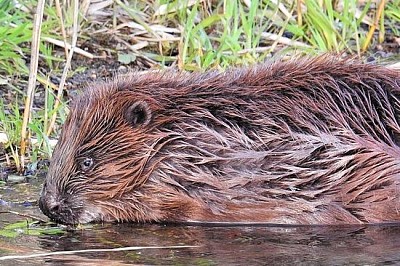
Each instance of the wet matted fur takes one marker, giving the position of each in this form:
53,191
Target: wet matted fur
307,141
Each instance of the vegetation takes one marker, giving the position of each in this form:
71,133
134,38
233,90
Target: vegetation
188,34
27,227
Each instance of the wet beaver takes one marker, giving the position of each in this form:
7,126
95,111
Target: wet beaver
308,141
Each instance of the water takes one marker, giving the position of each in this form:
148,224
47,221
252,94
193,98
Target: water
235,245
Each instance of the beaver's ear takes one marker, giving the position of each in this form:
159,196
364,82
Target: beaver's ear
138,114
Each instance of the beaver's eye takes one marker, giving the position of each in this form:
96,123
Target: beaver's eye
86,164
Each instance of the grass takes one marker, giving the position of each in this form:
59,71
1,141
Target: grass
321,30
191,35
11,124
15,31
393,16
27,227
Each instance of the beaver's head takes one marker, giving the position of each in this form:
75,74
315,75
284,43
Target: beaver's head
102,158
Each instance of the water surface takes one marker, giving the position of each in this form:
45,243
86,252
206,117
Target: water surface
227,245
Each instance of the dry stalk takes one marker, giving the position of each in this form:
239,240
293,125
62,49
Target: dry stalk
67,46
66,67
299,13
64,35
37,25
374,25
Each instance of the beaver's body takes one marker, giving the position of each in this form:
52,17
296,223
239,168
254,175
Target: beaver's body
309,141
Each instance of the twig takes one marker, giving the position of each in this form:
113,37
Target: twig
73,252
68,46
25,215
280,39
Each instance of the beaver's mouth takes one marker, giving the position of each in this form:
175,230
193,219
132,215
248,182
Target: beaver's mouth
71,212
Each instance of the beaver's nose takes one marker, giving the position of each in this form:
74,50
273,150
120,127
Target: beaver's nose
49,205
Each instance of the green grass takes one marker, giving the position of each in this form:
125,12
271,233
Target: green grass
234,31
392,15
201,36
11,122
15,31
15,35
330,30
28,227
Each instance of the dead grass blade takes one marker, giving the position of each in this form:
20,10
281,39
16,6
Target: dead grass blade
37,25
62,26
66,67
374,25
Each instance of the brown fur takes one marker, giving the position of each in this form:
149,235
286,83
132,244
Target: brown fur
309,141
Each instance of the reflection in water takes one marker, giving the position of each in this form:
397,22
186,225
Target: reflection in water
233,245
241,245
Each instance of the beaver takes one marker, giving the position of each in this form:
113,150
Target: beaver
312,140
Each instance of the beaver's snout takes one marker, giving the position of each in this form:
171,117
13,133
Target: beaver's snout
58,208
50,206
67,208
